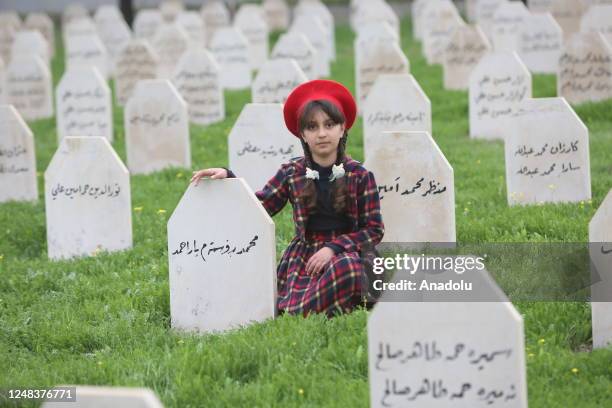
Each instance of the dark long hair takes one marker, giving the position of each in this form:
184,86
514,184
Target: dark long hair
338,188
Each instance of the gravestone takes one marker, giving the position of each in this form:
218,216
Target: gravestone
547,154
540,42
297,47
417,8
11,19
136,61
447,354
170,9
275,81
374,32
30,42
466,47
441,20
87,51
197,79
84,108
498,84
193,24
375,59
484,11
222,269
73,11
585,69
568,14
113,31
313,29
82,26
44,25
259,143
598,18
254,27
600,236
17,158
156,123
370,11
277,14
7,35
91,396
87,199
28,87
413,177
231,50
170,42
396,103
216,16
2,82
146,23
540,6
320,10
507,20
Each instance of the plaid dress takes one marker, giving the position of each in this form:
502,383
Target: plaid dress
338,287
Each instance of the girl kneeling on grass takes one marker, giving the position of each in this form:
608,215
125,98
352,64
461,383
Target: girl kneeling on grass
336,208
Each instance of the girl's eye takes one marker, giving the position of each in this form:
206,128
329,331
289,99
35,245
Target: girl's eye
311,127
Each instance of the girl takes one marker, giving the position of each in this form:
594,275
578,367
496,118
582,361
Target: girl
336,208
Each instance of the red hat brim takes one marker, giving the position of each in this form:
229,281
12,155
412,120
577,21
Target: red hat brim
318,89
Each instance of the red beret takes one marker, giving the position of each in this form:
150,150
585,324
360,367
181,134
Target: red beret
318,89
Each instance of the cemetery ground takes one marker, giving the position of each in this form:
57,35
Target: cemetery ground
106,319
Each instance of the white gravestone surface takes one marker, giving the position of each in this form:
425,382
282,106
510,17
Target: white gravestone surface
7,35
373,32
441,23
447,354
43,24
136,61
72,12
231,50
547,154
598,18
259,143
83,102
17,158
170,9
197,79
28,87
10,18
540,42
91,396
585,69
156,123
146,23
77,27
396,103
498,84
2,81
312,27
506,23
416,12
222,267
87,199
484,11
539,6
193,24
113,31
320,10
87,51
568,14
370,11
297,47
375,59
464,50
277,14
30,42
275,81
255,29
416,187
215,15
600,236
170,42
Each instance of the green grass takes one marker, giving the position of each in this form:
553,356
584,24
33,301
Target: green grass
105,319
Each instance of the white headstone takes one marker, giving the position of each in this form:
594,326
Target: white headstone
156,123
441,19
90,396
7,36
17,158
146,23
277,14
378,58
10,18
170,9
585,69
30,42
413,177
464,50
193,24
540,42
72,12
416,12
540,6
600,236
221,277
275,81
83,101
215,15
320,10
43,24
78,27
498,84
370,11
396,102
507,20
28,87
598,18
297,47
197,79
547,154
484,11
231,50
2,82
255,29
87,199
312,27
87,51
113,31
259,143
568,14
170,42
447,354
373,32
135,62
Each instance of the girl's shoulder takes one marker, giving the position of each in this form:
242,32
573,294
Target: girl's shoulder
355,167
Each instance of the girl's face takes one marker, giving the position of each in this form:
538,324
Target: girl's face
322,135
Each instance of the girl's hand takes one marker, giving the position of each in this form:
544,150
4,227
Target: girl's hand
213,173
319,260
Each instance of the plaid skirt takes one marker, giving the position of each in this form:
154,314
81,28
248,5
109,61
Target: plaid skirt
337,288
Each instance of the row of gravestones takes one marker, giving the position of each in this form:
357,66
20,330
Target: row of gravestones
583,62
